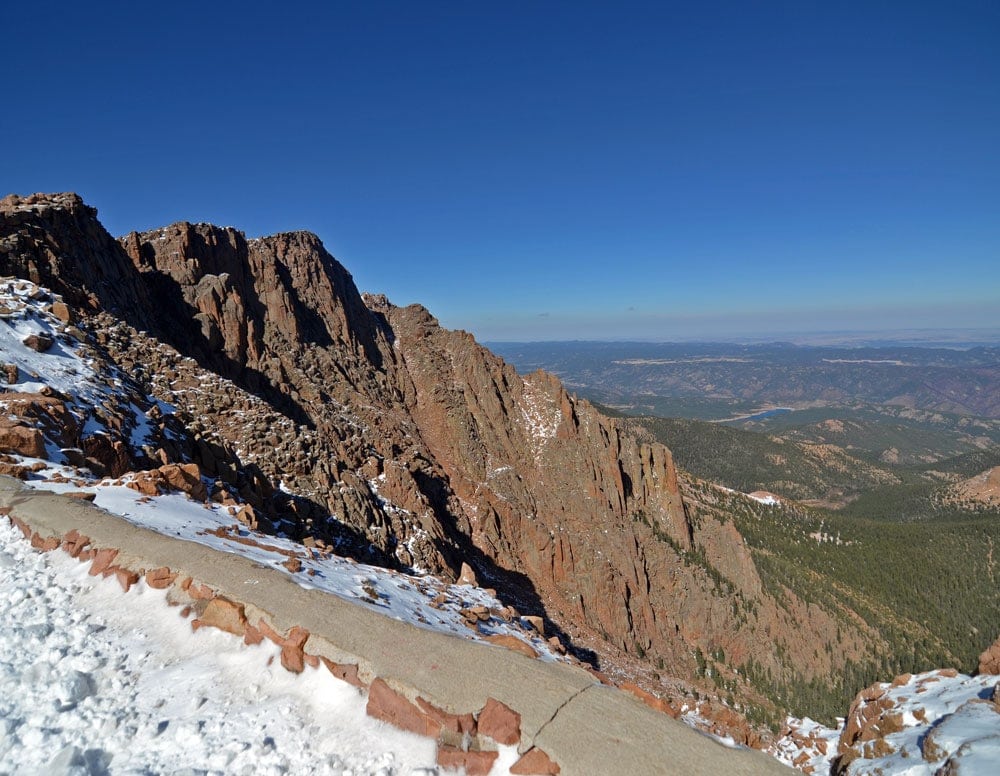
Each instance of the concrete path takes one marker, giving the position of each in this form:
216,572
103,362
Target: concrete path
585,727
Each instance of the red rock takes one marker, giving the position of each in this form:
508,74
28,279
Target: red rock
61,311
21,440
345,672
293,564
989,661
459,724
223,614
185,477
659,704
500,722
126,577
38,342
292,652
161,578
475,763
45,544
252,635
102,560
534,762
467,576
386,704
512,642
74,542
200,592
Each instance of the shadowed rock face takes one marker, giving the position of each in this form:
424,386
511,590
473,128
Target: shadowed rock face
431,450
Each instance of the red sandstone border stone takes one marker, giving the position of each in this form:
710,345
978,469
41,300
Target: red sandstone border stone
102,560
386,704
496,720
458,724
476,763
535,762
500,722
223,614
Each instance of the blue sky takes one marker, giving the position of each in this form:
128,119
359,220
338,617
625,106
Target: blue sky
534,170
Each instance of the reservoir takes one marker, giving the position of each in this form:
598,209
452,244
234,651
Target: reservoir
759,415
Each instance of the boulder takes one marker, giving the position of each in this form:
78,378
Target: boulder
39,342
989,661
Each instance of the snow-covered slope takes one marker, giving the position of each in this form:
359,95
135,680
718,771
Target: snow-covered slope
93,682
938,723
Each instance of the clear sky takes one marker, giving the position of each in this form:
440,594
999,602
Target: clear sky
539,170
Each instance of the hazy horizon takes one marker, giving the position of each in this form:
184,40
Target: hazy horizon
962,339
654,170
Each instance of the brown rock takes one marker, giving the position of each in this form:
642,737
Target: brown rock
10,373
534,762
386,704
512,642
61,311
989,661
467,576
39,342
500,722
475,763
21,440
106,457
223,614
81,495
185,477
659,704
536,622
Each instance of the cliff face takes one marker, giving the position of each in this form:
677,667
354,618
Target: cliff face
415,443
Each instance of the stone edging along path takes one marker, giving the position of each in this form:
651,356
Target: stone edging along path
468,696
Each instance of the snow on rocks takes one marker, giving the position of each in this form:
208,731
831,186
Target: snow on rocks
89,684
44,362
460,610
540,414
939,722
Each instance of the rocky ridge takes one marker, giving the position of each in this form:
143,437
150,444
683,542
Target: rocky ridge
938,722
349,423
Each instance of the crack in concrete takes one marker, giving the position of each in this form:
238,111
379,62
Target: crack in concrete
562,706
